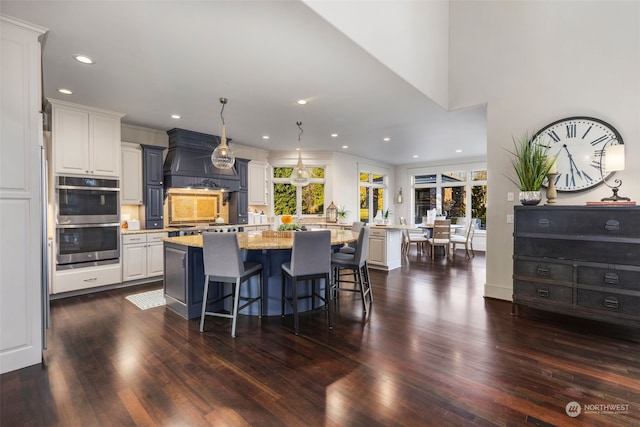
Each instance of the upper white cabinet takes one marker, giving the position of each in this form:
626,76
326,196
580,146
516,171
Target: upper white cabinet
86,140
131,182
258,183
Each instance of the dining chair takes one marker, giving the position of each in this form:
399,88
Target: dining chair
310,261
409,237
355,228
465,239
440,236
223,264
356,266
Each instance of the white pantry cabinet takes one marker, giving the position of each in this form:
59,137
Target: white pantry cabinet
22,209
258,183
142,255
86,140
131,181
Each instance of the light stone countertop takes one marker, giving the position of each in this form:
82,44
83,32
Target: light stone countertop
253,240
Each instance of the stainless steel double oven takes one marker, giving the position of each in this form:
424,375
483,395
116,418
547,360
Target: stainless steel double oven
87,222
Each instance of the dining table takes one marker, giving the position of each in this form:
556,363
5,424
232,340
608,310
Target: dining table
184,270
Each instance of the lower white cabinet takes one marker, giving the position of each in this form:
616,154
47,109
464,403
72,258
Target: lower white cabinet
142,255
85,278
384,248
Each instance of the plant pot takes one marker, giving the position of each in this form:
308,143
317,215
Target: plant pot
530,198
343,220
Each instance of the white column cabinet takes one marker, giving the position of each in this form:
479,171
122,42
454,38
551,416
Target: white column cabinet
142,255
86,140
22,207
131,180
258,183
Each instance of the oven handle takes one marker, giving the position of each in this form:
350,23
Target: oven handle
114,224
79,187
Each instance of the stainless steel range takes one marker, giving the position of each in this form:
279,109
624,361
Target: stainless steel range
191,230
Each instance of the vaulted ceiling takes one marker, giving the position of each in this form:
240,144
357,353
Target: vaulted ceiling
158,58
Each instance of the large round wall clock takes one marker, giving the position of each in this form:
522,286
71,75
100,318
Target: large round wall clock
578,143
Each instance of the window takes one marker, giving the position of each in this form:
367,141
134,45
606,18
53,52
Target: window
456,194
291,200
372,190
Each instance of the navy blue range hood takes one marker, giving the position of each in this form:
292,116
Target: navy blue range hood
188,163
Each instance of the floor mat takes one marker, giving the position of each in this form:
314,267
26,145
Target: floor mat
148,299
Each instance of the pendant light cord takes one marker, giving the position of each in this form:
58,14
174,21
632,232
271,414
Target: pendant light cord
223,101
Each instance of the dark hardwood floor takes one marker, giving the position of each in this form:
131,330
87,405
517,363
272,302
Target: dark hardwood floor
433,352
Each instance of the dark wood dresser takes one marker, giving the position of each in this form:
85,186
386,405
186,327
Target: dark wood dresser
578,260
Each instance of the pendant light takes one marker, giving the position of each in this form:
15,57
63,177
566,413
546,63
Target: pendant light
222,157
300,175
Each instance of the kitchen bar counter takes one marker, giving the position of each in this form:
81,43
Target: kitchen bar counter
184,271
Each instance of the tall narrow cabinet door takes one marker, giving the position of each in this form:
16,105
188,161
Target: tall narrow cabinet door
70,136
154,207
22,207
104,142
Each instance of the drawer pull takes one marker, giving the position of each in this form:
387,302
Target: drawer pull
611,302
543,271
612,225
544,293
93,279
611,279
544,223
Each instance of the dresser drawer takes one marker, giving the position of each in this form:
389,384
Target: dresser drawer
377,232
543,292
544,270
609,302
609,278
592,221
579,250
128,239
156,237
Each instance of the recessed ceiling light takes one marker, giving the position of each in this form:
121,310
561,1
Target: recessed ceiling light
84,59
415,156
458,151
265,136
387,139
176,116
65,91
302,101
345,146
334,135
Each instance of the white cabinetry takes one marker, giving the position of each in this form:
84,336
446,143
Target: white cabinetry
131,181
142,255
85,278
258,183
86,141
384,248
21,204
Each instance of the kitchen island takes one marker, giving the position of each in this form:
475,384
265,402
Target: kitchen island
184,271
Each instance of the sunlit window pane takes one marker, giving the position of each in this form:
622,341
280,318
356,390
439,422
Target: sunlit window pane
313,199
453,202
282,172
480,175
284,199
364,177
454,176
364,204
377,179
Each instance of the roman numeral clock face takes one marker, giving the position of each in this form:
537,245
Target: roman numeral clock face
578,143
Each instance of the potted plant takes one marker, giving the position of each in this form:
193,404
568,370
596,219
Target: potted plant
343,214
531,165
385,215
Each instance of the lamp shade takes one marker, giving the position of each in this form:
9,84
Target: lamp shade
300,175
614,158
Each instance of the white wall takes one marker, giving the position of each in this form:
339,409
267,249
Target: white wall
536,62
409,37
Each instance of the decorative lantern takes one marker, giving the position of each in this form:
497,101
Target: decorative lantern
332,213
